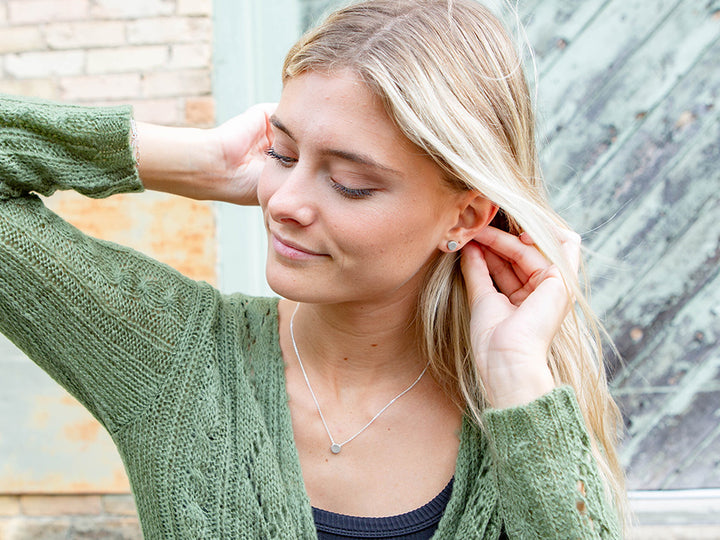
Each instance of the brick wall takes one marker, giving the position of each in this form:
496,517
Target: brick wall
155,55
68,517
152,54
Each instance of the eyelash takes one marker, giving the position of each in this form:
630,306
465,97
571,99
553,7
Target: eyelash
285,161
349,193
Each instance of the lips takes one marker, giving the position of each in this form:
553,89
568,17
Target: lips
291,250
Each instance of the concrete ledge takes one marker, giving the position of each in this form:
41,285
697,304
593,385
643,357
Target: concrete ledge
676,507
675,515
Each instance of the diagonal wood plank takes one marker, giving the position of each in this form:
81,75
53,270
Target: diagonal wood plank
617,109
590,61
552,26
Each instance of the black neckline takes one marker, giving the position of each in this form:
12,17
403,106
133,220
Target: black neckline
369,527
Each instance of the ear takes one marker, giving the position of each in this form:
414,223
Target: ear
475,213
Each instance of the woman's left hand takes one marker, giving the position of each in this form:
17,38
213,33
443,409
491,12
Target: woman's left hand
518,301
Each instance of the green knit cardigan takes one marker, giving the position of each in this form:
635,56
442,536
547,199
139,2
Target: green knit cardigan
190,383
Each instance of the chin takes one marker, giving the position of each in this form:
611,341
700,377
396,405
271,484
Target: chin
307,289
286,285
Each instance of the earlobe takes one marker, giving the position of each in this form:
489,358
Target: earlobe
475,213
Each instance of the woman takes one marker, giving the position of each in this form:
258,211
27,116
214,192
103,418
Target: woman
424,372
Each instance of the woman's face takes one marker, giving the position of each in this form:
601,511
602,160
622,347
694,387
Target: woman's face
353,210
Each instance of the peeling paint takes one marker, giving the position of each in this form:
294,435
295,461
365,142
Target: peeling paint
57,446
86,431
174,230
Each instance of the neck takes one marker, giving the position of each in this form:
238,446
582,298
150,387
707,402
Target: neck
351,346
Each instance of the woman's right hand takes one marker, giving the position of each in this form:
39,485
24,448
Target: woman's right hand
220,164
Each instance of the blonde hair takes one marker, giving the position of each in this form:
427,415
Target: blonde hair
451,79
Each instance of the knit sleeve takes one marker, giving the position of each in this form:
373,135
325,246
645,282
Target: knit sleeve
548,480
104,321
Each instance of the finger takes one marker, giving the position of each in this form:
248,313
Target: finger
526,259
550,300
570,243
267,108
501,272
525,238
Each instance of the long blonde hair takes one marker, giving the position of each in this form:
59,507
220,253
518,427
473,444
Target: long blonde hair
451,79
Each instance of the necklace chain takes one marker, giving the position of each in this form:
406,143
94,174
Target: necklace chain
335,447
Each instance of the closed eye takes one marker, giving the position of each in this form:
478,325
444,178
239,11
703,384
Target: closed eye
351,193
285,161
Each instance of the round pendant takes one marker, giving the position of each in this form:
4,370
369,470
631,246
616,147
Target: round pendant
335,448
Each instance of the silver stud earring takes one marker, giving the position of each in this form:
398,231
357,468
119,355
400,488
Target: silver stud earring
452,245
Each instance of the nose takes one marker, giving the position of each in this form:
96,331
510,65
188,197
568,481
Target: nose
293,199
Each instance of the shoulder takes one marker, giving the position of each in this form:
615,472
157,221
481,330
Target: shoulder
256,310
252,319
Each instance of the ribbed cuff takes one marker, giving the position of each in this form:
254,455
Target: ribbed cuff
551,423
53,146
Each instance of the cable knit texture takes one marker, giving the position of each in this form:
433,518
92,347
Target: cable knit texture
190,383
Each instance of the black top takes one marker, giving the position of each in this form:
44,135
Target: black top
418,524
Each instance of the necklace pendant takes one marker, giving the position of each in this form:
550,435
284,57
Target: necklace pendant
335,448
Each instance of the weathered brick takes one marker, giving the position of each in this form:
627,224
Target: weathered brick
41,11
88,88
190,56
9,505
43,64
105,529
200,111
131,9
177,83
41,88
126,59
159,111
85,34
20,39
170,30
194,7
119,505
165,111
21,528
58,505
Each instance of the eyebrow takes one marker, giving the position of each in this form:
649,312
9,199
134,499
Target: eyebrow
361,159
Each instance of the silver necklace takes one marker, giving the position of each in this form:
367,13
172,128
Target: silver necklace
335,447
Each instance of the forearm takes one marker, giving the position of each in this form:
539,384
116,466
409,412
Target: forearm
549,480
182,161
221,164
91,314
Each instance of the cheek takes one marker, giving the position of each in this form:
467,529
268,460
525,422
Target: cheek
394,240
265,188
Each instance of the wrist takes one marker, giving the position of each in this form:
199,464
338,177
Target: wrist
181,161
515,384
